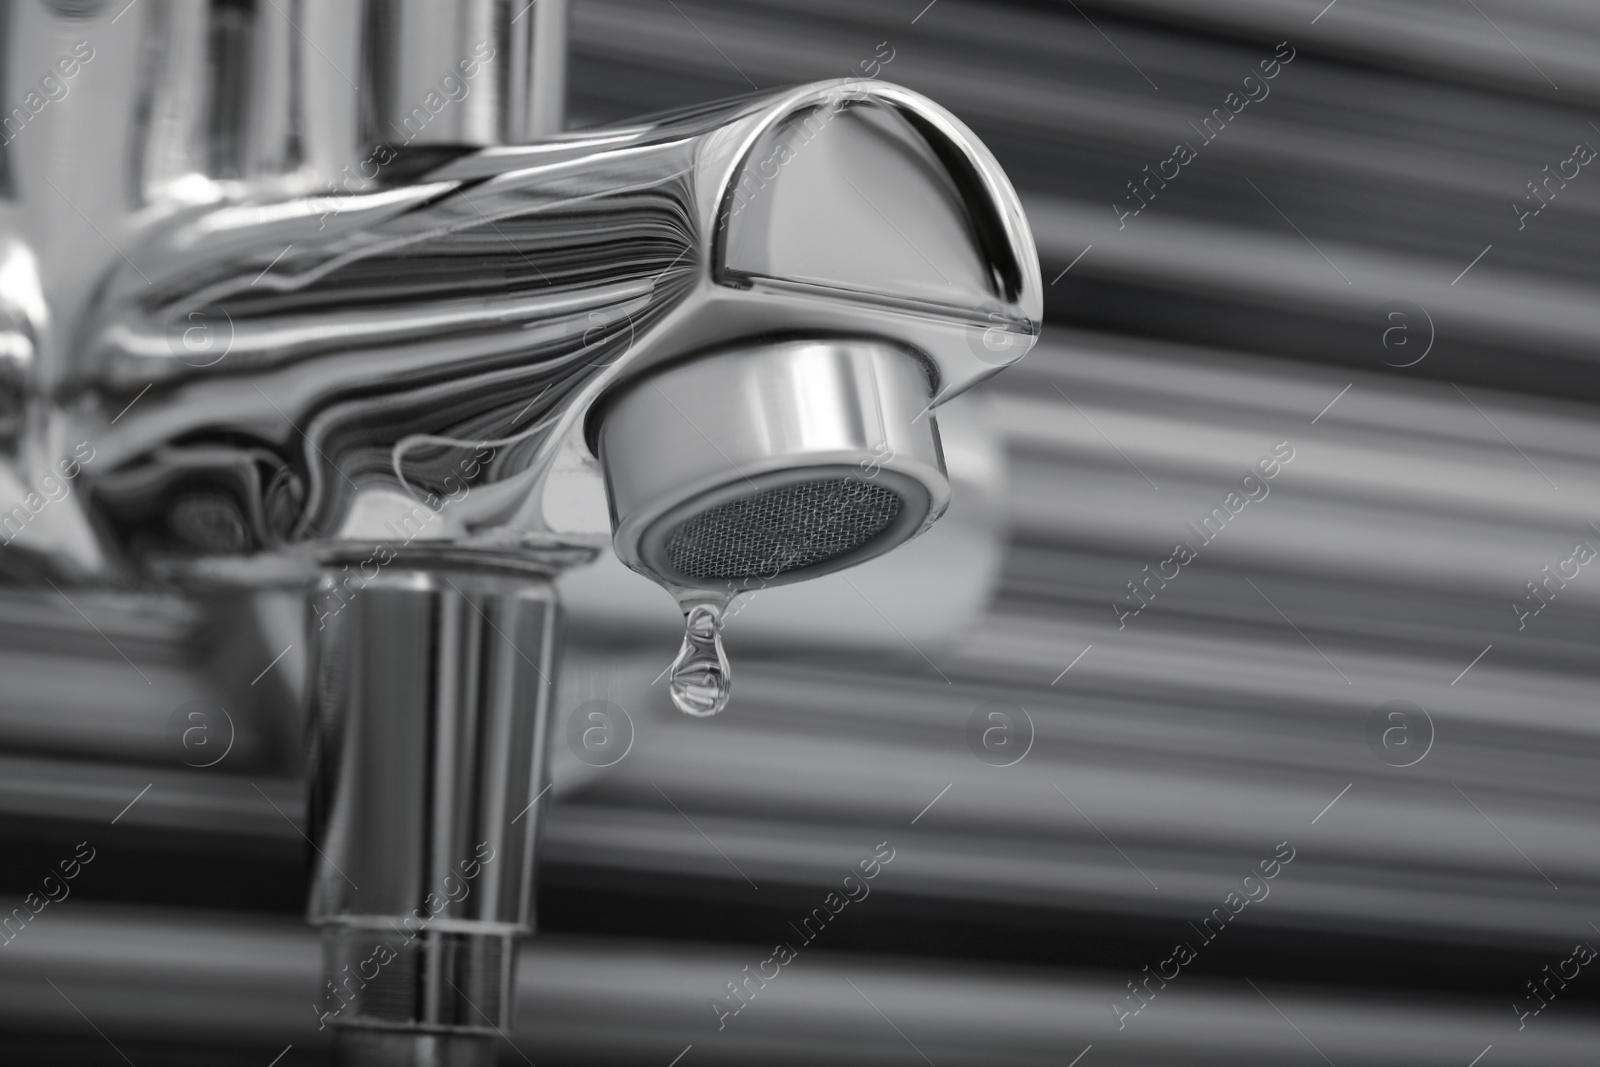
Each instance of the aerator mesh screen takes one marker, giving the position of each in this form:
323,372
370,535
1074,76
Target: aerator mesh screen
774,531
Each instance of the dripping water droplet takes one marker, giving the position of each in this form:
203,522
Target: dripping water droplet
699,679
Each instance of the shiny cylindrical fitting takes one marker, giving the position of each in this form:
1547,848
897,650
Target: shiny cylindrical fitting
462,74
772,463
427,760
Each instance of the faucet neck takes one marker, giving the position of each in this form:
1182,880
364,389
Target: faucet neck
427,765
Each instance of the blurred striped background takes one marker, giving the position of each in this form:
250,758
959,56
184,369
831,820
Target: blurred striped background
1245,306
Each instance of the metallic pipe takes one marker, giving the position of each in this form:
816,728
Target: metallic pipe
286,300
461,75
427,760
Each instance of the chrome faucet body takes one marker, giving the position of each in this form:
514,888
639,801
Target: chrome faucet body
440,344
321,316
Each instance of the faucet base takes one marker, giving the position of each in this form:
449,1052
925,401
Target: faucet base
400,974
431,698
362,1047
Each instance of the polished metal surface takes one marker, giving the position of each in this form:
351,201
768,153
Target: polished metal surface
1247,304
458,76
485,385
731,430
262,372
296,303
430,697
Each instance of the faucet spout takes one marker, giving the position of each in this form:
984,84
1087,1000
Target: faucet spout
392,358
280,377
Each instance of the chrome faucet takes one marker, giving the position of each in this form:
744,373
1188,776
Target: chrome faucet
318,297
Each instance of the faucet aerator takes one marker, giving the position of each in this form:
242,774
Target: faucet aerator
771,463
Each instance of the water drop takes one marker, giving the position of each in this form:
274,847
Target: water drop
699,679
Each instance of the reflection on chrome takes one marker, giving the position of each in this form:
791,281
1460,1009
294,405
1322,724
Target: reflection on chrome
382,403
341,313
261,376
